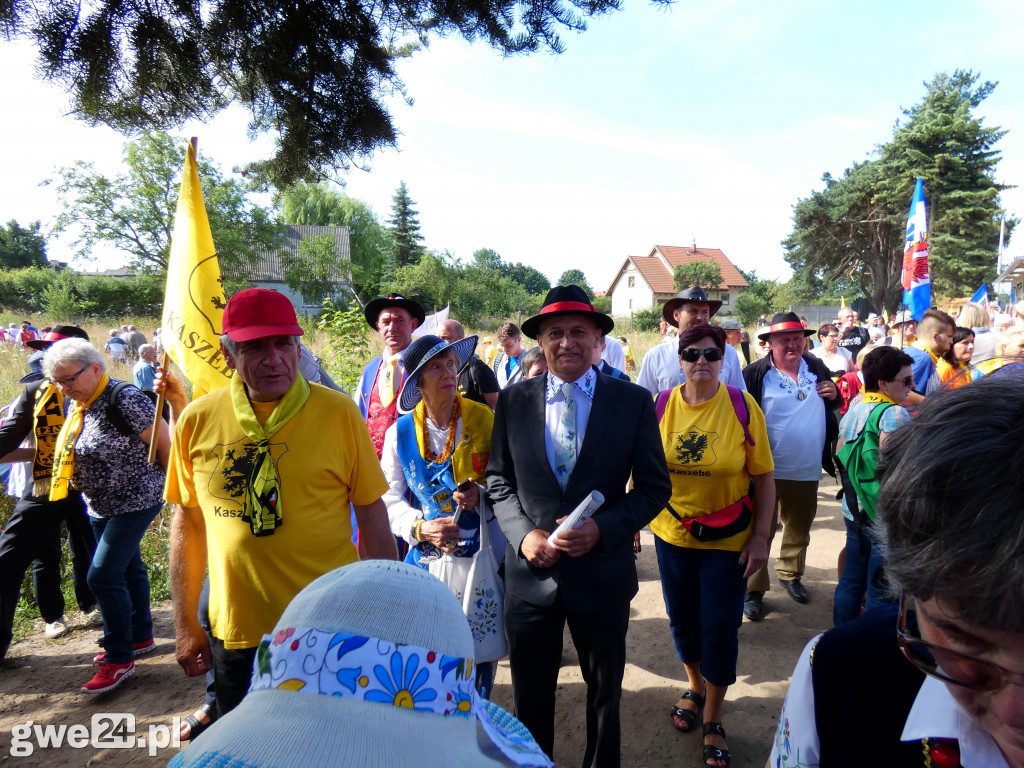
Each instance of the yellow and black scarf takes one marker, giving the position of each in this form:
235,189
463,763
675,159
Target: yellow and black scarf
262,493
47,421
64,463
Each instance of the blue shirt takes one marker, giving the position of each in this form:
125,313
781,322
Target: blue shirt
923,368
144,375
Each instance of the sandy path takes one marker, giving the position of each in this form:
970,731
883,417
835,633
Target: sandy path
41,678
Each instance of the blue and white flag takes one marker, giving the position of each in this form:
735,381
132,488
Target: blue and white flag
981,296
917,279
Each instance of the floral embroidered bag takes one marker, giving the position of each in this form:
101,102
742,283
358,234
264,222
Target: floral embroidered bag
484,599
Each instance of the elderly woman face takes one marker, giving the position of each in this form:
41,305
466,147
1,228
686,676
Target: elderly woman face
959,647
440,377
708,362
77,381
963,350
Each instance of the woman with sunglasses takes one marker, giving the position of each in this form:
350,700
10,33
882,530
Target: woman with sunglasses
939,679
712,535
888,379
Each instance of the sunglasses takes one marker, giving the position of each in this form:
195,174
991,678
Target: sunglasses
945,663
692,355
907,381
71,379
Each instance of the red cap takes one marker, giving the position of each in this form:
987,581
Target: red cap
256,313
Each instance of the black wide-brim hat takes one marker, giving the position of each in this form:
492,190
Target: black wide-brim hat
690,294
416,357
566,300
57,333
375,307
785,321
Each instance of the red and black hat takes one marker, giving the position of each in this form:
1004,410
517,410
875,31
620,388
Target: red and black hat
375,307
694,293
57,333
566,300
785,321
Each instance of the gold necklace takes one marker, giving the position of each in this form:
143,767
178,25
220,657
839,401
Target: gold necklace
449,443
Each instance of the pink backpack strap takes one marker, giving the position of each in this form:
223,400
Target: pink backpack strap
739,404
661,401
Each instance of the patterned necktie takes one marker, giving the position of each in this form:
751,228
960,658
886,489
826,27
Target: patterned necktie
565,437
386,385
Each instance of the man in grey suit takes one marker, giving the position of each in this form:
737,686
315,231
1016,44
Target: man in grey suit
557,438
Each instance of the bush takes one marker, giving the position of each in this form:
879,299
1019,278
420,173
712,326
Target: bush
647,319
603,304
74,296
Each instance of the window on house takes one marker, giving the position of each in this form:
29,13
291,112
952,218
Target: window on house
631,302
631,282
725,298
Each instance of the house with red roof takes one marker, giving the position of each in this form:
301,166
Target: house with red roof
647,281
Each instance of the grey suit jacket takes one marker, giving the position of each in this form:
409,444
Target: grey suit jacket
622,438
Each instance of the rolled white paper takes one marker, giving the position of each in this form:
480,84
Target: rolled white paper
579,516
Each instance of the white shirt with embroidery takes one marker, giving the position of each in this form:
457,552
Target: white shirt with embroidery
795,416
555,406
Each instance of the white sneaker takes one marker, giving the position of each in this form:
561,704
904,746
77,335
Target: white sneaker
94,618
56,628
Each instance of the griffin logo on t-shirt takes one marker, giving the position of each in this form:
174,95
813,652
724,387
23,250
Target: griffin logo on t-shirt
234,464
695,446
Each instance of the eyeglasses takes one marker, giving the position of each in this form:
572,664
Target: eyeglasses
692,355
907,381
945,663
71,379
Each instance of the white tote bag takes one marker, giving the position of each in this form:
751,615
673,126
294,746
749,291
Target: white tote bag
484,598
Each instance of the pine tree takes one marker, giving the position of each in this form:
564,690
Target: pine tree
406,240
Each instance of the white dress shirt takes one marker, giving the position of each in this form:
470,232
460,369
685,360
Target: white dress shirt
660,369
555,406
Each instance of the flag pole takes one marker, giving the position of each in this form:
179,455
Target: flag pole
164,360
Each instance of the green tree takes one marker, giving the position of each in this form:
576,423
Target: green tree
488,258
761,299
406,240
318,204
576,277
22,246
319,75
533,280
852,231
704,274
134,211
944,141
316,272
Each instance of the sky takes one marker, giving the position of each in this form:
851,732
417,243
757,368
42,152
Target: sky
704,122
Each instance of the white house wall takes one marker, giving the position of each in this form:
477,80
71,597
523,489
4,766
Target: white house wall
627,299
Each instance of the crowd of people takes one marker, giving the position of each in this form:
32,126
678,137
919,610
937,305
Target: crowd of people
450,455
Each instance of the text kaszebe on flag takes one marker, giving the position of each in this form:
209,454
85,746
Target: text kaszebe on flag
194,300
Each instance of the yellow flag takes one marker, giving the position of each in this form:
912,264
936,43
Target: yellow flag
194,300
842,302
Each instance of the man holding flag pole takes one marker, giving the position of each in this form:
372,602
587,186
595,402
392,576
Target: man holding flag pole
262,470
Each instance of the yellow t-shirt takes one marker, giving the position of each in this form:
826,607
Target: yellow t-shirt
324,460
710,463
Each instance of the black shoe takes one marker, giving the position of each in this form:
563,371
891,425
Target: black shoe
753,606
796,590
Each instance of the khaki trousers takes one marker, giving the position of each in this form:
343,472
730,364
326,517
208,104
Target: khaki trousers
796,502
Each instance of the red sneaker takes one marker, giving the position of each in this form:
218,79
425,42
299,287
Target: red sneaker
138,649
109,677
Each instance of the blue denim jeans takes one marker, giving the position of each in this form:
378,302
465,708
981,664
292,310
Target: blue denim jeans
862,572
118,579
704,591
